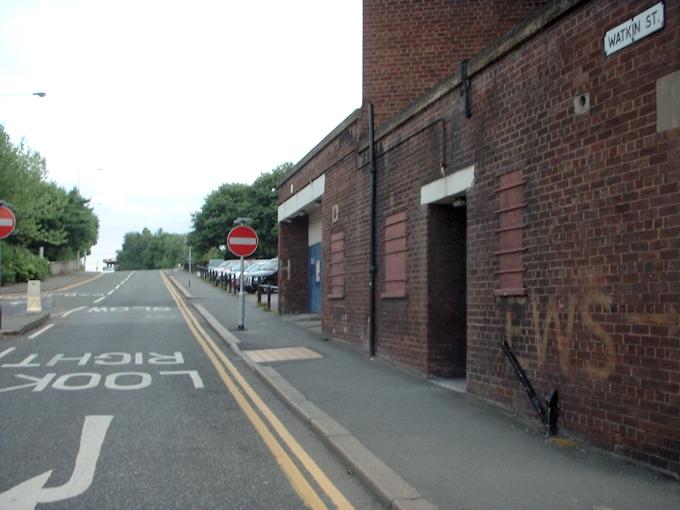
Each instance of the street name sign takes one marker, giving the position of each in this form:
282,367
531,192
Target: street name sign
242,241
634,29
7,221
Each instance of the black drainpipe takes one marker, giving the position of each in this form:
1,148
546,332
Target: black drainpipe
371,207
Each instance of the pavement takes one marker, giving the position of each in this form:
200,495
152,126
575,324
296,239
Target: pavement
419,443
16,321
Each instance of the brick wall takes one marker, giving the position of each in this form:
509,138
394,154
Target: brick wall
600,320
293,254
411,45
339,150
401,163
347,185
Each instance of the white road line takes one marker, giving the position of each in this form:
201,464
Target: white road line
110,292
6,352
40,331
99,300
66,314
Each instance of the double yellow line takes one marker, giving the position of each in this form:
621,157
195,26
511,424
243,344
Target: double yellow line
240,389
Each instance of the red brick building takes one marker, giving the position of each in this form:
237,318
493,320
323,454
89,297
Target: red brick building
516,177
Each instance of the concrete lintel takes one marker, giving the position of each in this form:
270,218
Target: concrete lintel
303,198
448,187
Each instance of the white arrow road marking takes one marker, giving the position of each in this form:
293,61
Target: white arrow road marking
32,492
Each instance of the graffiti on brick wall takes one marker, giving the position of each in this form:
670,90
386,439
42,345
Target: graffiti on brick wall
553,324
670,320
550,328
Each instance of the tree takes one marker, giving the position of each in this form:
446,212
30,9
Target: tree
151,251
80,223
264,210
230,201
47,216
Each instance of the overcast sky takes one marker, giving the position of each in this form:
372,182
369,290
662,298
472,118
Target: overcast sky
152,104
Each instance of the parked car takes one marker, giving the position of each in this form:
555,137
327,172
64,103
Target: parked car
213,264
267,272
255,266
224,269
235,270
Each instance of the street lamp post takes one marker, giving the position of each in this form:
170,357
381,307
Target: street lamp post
15,94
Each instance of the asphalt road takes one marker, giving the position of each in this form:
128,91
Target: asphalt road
125,401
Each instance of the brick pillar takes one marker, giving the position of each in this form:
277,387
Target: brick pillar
293,252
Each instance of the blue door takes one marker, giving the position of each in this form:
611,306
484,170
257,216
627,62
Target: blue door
314,279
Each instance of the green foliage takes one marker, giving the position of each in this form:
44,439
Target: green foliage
20,265
230,201
151,251
213,253
47,216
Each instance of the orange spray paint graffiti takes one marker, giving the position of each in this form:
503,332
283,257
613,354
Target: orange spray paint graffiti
550,329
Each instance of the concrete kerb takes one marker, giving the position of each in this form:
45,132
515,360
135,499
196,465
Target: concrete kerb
393,490
35,321
184,291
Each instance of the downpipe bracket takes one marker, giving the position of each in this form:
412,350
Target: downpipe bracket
549,408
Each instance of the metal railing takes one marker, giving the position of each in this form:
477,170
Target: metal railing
229,283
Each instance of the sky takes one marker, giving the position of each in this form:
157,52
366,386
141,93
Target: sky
153,104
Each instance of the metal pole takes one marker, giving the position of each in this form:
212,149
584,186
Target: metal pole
372,232
189,266
241,300
0,282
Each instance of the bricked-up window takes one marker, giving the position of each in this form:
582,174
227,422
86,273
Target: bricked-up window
337,265
395,256
511,233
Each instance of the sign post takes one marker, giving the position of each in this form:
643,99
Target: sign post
189,266
7,223
242,241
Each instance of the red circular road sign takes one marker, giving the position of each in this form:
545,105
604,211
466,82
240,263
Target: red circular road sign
242,241
7,221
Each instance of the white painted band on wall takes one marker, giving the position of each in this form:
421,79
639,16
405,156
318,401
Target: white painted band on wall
447,187
303,198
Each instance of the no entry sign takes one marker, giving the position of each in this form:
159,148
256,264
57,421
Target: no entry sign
7,221
242,241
